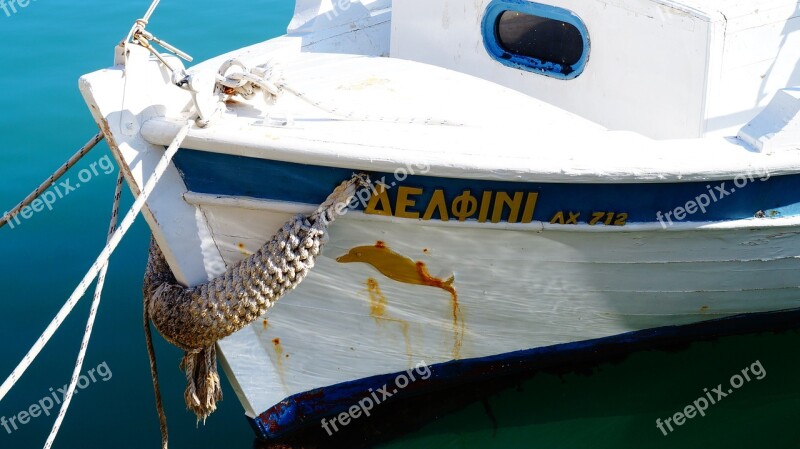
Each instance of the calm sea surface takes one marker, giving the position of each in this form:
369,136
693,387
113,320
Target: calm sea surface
44,48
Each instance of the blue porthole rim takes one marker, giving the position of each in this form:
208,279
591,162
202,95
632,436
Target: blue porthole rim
491,40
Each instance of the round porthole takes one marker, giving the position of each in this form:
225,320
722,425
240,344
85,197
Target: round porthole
536,37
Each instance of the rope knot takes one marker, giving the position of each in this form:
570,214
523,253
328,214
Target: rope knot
236,78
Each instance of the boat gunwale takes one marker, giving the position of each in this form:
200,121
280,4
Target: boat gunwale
303,150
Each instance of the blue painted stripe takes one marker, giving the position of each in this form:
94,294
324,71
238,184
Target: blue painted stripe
304,411
221,174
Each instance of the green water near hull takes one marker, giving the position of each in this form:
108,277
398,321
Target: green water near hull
616,405
46,46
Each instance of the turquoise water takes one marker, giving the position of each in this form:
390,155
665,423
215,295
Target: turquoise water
46,46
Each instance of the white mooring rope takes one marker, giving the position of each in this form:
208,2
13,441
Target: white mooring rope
98,293
51,180
99,263
99,268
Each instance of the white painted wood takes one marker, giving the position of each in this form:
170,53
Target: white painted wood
759,56
646,71
666,69
516,290
314,16
120,101
490,135
343,26
777,128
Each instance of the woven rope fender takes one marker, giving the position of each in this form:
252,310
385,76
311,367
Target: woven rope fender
195,318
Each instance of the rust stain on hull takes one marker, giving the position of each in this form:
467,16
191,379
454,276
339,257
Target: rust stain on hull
279,356
242,249
404,269
377,305
115,151
458,321
377,301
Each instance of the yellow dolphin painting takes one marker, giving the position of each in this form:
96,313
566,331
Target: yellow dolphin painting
403,269
396,266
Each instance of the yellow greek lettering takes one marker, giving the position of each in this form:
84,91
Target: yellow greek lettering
464,206
486,201
501,201
403,202
573,217
379,197
530,207
437,203
558,218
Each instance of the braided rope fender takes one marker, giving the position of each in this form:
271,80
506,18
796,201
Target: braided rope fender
195,318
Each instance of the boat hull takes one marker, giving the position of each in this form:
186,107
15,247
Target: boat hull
484,290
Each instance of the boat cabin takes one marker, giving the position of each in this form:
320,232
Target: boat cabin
663,68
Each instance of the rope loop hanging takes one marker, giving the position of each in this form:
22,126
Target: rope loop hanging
195,318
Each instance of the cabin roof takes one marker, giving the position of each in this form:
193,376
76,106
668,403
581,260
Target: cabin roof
718,10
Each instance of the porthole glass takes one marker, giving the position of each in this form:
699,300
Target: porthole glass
536,37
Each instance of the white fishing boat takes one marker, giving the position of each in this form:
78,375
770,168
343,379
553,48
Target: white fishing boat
550,177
